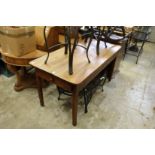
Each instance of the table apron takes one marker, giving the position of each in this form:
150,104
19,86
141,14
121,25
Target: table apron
52,79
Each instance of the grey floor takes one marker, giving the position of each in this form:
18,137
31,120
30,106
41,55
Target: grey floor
128,101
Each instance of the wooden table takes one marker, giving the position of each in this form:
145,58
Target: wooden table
16,65
56,70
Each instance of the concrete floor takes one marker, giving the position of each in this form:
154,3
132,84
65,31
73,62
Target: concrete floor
128,101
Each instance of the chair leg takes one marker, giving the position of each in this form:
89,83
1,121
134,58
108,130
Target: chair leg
140,51
137,59
103,83
98,46
91,38
126,48
142,47
85,102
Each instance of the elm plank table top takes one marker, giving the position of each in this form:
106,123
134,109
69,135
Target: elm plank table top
56,70
57,64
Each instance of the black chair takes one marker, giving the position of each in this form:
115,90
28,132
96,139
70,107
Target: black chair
88,91
137,40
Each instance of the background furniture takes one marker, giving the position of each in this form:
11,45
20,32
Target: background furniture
52,35
3,69
17,61
18,65
137,40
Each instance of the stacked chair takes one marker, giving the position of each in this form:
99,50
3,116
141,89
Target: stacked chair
111,34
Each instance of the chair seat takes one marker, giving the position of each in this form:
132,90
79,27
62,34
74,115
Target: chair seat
139,36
